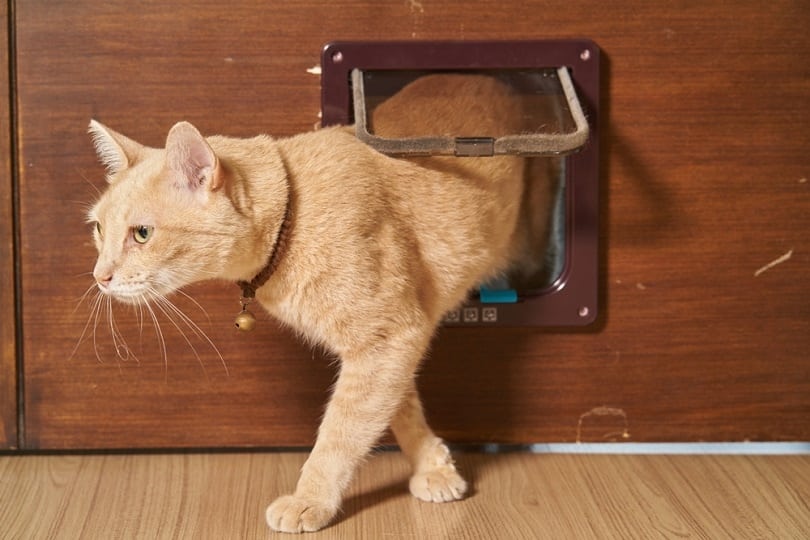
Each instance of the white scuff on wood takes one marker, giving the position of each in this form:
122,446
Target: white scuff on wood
774,262
416,6
314,70
605,411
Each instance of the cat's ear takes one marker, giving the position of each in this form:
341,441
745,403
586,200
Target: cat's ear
191,158
115,151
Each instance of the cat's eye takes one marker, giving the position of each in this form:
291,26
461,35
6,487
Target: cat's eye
98,230
142,233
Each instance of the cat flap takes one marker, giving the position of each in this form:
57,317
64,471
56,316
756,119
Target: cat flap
556,282
553,121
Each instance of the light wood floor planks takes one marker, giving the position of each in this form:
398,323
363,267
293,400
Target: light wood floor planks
516,496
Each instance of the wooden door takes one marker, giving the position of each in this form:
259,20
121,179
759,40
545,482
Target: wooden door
703,183
8,327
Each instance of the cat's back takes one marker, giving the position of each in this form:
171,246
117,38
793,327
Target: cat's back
451,105
361,213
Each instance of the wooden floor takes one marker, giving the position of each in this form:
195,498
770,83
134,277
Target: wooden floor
515,496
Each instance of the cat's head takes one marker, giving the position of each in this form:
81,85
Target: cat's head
163,222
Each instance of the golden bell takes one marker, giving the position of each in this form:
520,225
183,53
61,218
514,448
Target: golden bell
245,321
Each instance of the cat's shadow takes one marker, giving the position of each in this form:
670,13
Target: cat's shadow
470,463
365,500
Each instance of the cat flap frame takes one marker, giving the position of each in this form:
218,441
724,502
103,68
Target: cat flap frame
557,143
572,298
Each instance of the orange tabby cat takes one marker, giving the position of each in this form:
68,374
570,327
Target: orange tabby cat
374,251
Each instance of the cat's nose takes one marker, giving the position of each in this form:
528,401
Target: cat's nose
103,279
103,274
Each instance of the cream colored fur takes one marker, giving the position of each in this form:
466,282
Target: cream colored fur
379,249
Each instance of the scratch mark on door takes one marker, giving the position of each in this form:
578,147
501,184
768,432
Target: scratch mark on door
774,262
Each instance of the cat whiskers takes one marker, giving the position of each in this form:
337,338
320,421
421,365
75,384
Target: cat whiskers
158,332
174,313
197,304
149,305
83,297
92,317
122,350
100,304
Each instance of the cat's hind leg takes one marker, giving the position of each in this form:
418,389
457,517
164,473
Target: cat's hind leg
372,383
435,478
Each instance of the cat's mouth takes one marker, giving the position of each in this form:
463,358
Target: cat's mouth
132,294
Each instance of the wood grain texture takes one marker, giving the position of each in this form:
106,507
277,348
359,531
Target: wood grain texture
704,181
8,319
516,496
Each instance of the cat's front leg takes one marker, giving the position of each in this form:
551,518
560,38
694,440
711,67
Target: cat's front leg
369,390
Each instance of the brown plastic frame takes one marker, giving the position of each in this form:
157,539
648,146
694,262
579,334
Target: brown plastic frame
572,300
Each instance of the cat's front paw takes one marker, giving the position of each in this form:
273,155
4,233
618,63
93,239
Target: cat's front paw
442,484
293,514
